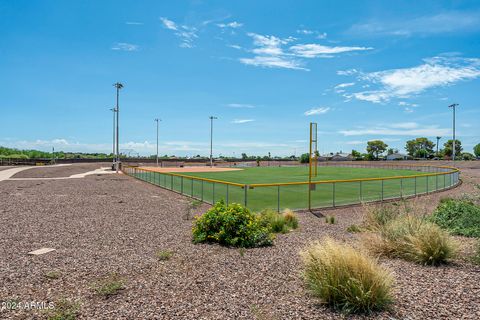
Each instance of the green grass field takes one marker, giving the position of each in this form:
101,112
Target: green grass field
296,196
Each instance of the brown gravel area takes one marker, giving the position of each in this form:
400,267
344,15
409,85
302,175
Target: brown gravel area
113,224
5,167
60,171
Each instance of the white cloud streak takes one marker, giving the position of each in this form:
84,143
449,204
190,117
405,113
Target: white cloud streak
399,129
186,34
405,82
316,111
123,46
240,105
240,121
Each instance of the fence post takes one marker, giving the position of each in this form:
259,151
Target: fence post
427,183
227,194
401,188
181,185
333,186
415,186
278,199
192,189
361,192
382,190
436,182
171,185
202,191
213,192
245,197
444,182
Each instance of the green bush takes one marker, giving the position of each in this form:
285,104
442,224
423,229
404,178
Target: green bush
231,225
476,255
345,278
413,239
330,219
460,217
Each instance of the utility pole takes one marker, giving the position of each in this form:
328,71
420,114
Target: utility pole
157,121
118,86
113,139
438,139
211,140
453,106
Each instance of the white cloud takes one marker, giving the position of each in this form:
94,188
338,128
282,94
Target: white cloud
123,46
272,62
240,105
316,111
186,34
313,50
235,46
405,82
269,52
239,121
319,35
344,85
305,31
399,129
169,24
233,25
439,23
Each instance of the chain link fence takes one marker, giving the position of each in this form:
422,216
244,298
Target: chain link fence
304,195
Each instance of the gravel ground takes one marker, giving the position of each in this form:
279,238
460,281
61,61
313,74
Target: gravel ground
60,171
5,167
113,224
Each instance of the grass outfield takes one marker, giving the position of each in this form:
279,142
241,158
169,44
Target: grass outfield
296,196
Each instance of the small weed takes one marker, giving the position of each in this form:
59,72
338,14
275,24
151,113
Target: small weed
194,204
164,255
241,251
64,310
354,228
53,274
109,287
330,219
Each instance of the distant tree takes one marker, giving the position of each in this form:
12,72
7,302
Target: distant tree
305,158
376,147
392,151
356,154
244,156
467,156
420,147
448,148
476,150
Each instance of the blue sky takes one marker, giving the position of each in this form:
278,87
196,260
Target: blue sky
362,70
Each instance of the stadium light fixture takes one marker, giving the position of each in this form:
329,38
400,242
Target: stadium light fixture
157,120
453,106
211,139
118,86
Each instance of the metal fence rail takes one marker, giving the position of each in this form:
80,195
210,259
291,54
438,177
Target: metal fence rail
294,195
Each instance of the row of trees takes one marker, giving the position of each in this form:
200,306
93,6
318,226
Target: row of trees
37,154
422,148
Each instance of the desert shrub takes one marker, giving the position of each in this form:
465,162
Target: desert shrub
231,225
290,218
377,216
345,278
278,222
460,217
411,238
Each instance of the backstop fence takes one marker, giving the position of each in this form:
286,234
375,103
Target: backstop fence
305,195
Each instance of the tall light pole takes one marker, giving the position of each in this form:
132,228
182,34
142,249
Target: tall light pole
113,139
438,139
157,121
118,86
211,139
453,106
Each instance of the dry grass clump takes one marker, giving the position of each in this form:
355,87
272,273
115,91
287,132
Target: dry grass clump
279,222
345,278
400,234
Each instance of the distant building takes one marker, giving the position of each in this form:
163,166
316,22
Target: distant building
342,157
396,156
